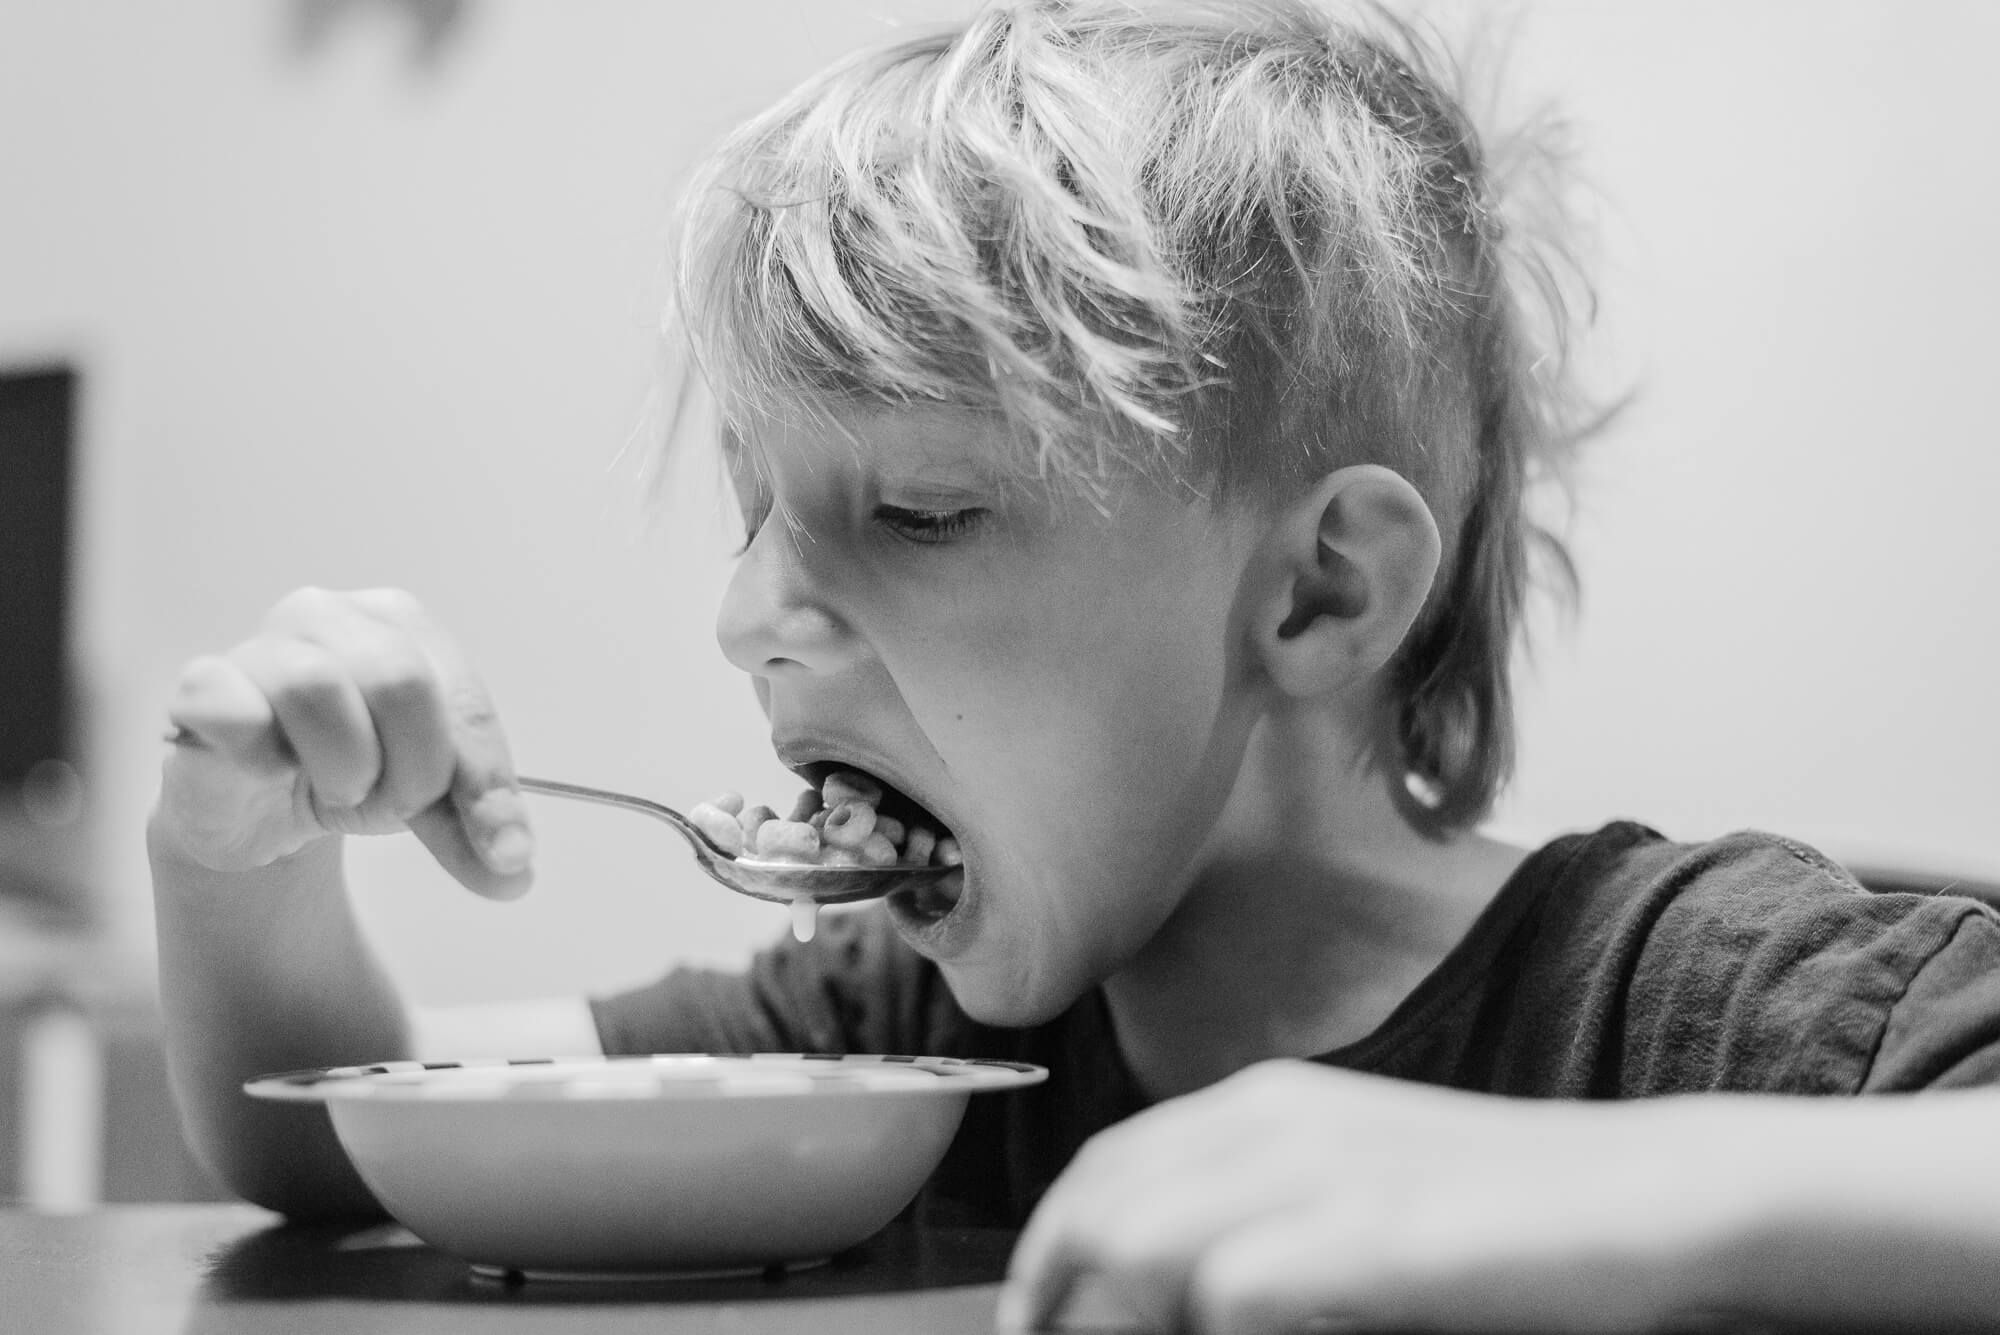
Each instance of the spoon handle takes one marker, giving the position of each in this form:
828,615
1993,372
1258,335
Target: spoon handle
605,797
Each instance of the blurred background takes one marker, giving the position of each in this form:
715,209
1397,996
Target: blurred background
365,292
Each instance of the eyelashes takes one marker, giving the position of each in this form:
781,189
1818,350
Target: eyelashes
923,528
929,528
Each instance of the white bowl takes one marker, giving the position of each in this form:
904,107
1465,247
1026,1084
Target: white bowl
647,1165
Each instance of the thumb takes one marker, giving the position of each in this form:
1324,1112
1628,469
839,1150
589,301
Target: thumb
501,871
478,830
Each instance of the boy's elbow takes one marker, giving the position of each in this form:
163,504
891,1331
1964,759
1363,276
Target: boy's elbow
299,1172
303,1195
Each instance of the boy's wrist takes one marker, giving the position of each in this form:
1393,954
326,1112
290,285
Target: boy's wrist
168,849
1857,1212
1722,1180
1799,1210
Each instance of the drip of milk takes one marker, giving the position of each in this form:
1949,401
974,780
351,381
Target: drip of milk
805,917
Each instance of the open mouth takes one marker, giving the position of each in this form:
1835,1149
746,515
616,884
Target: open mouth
848,817
913,830
918,835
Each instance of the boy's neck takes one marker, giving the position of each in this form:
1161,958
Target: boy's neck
1316,910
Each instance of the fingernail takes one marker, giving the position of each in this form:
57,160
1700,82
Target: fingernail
510,849
497,808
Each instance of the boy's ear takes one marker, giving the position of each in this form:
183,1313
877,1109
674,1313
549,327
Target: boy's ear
1351,564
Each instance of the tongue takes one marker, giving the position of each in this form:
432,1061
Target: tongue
935,900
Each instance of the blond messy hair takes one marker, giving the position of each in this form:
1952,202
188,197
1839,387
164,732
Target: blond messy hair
1230,246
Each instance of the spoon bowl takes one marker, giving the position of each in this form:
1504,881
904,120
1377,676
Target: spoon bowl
778,882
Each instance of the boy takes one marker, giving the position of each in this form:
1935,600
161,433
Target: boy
1131,408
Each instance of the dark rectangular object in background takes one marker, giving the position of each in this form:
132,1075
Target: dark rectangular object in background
37,429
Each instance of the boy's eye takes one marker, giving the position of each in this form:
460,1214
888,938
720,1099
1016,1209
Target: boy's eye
929,526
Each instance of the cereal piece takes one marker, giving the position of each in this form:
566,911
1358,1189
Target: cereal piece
846,785
787,841
808,803
917,848
818,819
878,851
837,857
730,801
890,828
849,825
946,853
805,918
752,820
719,825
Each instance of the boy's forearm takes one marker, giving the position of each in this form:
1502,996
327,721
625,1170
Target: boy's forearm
1876,1209
267,970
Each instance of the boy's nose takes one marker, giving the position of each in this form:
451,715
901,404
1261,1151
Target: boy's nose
773,620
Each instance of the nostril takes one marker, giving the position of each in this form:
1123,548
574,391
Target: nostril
779,615
785,641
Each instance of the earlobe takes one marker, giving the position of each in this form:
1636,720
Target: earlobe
1353,562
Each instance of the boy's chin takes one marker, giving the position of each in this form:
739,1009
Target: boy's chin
1000,1000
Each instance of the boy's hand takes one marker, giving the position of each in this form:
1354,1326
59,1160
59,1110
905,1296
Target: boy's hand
347,713
1295,1197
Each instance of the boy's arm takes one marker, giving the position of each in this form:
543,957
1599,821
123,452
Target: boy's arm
1302,1194
267,970
264,970
343,714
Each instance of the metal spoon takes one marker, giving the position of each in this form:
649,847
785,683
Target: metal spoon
780,882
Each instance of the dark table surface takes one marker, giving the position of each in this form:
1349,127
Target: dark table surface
193,1270
201,1269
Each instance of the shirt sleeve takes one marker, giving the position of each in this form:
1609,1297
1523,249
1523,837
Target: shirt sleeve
853,988
1944,1032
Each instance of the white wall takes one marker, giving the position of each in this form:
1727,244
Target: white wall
348,320
1792,566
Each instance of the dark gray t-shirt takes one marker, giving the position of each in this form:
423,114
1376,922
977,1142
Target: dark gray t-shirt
1614,964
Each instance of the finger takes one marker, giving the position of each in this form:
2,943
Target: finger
321,714
216,707
1052,1255
1114,1215
479,832
1099,1220
1034,1296
1294,1271
1138,1242
404,698
1373,1265
442,830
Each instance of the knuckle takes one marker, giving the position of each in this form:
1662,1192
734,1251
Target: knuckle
305,604
1225,1292
471,706
395,605
1275,1077
1098,1155
306,672
395,673
197,676
1138,1246
406,789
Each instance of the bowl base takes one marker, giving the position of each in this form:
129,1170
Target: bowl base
508,1275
